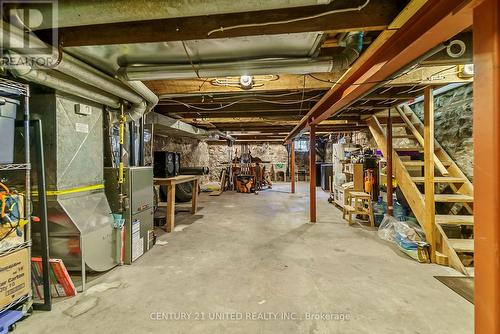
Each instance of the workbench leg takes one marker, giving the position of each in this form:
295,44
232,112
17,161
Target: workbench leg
170,208
194,200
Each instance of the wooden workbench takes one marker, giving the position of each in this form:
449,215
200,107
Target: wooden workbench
170,183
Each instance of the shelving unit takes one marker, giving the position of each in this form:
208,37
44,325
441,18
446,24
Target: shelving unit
21,92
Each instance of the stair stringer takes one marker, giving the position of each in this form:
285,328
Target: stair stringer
413,195
408,187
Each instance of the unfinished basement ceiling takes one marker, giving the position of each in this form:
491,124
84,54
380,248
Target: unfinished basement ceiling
293,54
85,12
109,58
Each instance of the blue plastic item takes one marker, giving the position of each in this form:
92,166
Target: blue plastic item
398,210
9,318
379,209
118,221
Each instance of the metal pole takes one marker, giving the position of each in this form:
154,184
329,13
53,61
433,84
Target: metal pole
27,158
42,214
390,207
486,32
131,130
312,173
141,142
292,166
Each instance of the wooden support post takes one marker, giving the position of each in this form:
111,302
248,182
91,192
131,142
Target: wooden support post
170,217
312,174
292,166
390,208
486,122
194,199
430,209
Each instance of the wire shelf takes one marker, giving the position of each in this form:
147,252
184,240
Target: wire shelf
15,166
18,301
15,248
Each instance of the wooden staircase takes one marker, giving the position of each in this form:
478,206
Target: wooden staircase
450,225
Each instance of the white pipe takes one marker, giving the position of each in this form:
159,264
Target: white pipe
141,98
236,68
65,84
338,63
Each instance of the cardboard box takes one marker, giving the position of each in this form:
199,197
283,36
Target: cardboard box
14,276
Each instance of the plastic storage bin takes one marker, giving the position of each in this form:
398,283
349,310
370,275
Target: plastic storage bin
8,108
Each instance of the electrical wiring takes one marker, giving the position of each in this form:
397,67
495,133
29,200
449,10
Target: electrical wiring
239,101
190,60
367,82
305,18
303,92
441,71
12,229
256,95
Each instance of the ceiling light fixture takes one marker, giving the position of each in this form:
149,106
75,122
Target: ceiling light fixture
246,81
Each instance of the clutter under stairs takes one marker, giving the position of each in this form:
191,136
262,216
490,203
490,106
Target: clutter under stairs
453,221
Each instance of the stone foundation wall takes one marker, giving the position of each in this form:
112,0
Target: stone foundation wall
218,154
453,125
194,153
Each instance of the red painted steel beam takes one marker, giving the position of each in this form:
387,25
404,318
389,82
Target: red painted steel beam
436,22
388,171
487,167
312,174
292,166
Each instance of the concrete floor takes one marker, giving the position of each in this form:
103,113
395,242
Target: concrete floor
249,256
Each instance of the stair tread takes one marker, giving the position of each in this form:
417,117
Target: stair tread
403,136
439,179
462,245
421,163
409,149
453,198
455,219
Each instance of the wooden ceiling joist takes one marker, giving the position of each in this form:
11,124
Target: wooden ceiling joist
294,82
425,27
375,16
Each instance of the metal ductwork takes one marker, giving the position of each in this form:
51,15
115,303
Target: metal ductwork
168,126
80,76
353,44
66,84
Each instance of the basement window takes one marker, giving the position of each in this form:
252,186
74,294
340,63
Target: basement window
302,145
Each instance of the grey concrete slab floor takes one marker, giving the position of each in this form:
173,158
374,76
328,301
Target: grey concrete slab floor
252,264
